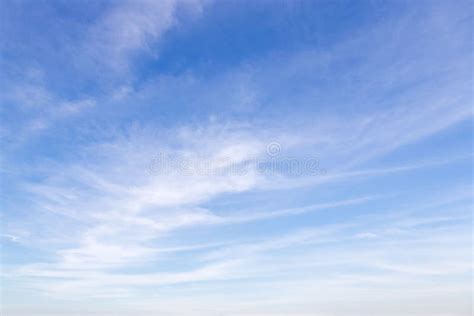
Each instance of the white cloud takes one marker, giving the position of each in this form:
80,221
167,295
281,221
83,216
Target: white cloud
131,27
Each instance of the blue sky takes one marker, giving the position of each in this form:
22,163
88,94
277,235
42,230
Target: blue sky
236,158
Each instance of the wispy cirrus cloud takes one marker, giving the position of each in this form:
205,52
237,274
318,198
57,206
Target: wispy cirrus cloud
126,29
